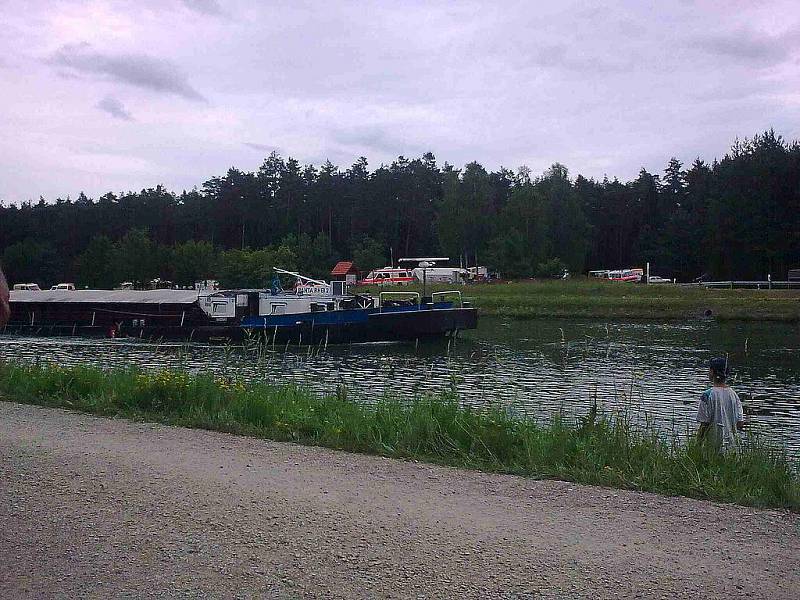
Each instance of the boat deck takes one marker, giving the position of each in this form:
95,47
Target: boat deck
106,296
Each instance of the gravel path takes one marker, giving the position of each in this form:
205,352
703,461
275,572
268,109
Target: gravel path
105,508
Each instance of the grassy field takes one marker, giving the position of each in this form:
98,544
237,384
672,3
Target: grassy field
597,449
581,297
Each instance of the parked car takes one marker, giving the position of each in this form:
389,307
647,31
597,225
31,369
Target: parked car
64,286
29,287
657,279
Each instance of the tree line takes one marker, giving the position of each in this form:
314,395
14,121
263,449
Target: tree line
737,217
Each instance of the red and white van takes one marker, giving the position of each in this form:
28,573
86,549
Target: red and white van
389,276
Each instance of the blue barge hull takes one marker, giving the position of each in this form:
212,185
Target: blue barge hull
369,325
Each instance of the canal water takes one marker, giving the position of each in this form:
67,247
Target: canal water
648,370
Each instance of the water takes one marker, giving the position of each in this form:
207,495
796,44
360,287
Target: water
652,371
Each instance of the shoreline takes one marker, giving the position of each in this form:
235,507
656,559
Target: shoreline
530,316
596,449
583,298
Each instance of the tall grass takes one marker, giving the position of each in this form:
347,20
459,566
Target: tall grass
596,449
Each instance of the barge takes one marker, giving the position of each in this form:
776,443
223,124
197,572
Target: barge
314,312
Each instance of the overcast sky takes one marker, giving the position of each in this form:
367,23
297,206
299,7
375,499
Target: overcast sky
118,95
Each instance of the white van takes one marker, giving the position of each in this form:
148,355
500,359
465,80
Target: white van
28,287
64,286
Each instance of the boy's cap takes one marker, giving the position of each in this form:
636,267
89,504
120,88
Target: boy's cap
718,365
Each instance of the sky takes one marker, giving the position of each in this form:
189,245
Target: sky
101,96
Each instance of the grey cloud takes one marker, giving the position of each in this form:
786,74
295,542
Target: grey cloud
138,70
115,108
206,7
750,46
733,92
375,138
561,57
262,147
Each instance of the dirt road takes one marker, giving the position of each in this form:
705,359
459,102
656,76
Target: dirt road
104,508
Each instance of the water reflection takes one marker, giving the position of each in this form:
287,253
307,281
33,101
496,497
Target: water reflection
649,370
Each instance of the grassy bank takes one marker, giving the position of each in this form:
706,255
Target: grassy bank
581,297
600,450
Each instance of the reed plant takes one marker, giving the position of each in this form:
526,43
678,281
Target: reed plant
607,450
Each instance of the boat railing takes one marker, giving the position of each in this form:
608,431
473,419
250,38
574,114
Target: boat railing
448,293
381,295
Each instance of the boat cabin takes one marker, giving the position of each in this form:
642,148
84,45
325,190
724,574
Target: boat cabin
307,296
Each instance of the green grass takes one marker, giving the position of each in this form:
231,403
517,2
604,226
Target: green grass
582,297
598,450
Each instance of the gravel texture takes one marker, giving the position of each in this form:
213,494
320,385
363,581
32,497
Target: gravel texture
93,507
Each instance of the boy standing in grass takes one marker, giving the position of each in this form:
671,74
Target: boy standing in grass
719,410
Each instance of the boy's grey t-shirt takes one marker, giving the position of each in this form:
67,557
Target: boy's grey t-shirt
721,408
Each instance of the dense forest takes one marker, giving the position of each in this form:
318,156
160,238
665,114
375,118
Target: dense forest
738,217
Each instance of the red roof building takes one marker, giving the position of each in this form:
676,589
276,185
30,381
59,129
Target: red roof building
344,271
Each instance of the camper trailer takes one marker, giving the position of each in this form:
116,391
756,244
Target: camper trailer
440,274
427,271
